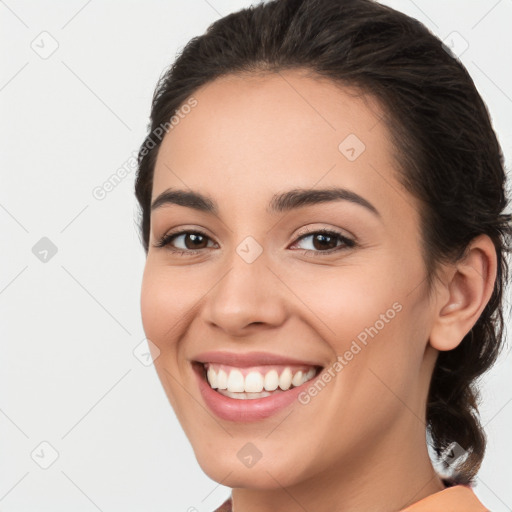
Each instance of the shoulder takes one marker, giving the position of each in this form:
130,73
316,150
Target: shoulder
459,498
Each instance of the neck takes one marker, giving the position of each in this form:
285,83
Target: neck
389,476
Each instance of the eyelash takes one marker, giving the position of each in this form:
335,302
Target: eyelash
348,243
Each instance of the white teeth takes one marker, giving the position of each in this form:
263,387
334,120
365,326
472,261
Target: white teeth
285,381
309,375
222,380
245,396
297,379
255,384
212,378
271,380
236,381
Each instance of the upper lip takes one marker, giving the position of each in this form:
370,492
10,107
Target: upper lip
247,359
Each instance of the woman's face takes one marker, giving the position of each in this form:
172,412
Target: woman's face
262,281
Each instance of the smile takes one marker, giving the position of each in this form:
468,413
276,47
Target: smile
243,392
258,381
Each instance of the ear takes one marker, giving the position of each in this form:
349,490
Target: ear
466,290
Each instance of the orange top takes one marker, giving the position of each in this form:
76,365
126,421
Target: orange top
459,498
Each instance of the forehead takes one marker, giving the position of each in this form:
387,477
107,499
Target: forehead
252,135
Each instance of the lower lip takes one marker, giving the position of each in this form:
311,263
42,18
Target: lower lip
251,409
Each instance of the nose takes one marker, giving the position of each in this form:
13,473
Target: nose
247,294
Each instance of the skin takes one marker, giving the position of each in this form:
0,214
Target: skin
360,443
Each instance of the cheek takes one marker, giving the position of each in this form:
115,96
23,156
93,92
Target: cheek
171,297
151,306
167,301
164,299
347,300
369,318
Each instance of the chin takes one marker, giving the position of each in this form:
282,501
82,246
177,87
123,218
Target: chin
224,467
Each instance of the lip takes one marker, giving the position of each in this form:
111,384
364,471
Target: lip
248,410
246,359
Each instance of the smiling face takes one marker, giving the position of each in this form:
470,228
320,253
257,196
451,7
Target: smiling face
260,278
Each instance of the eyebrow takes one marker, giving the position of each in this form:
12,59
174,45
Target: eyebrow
282,202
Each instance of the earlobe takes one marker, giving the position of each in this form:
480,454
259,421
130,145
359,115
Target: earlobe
464,294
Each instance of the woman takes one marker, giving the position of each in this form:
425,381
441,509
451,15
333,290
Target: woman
322,198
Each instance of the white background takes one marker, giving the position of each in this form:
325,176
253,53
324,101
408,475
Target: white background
69,326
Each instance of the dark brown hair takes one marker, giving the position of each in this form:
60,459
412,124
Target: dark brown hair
447,153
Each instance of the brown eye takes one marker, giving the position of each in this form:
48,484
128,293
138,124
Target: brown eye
194,241
190,241
324,241
321,241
